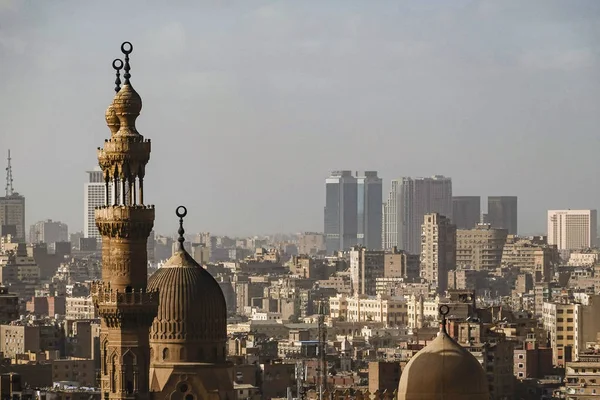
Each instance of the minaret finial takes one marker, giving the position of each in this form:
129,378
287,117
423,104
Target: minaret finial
181,212
127,48
118,65
444,310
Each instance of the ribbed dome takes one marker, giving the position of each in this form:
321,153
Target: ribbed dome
443,370
127,101
127,105
112,121
191,324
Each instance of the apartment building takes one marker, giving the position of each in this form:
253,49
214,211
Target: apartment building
388,310
481,247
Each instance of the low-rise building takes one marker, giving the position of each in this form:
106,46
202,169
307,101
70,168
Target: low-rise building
388,310
80,308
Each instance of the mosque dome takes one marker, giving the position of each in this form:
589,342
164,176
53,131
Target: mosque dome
443,370
191,324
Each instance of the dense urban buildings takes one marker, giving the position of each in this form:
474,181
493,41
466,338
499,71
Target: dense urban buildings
572,229
354,312
408,202
466,211
502,213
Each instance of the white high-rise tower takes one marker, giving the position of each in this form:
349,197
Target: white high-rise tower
94,196
572,229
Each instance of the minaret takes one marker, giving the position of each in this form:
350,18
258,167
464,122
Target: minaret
125,306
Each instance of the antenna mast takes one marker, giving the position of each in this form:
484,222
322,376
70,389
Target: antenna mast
9,178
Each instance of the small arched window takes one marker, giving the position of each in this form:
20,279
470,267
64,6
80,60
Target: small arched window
165,355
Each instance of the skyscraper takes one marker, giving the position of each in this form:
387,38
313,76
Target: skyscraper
572,229
466,211
408,202
369,212
340,225
438,250
502,213
12,209
95,195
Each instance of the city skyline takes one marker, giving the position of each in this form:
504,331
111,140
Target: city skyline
450,98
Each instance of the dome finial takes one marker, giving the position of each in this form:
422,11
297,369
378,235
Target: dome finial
444,310
181,212
127,48
117,65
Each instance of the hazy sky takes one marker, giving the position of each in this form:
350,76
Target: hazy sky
250,104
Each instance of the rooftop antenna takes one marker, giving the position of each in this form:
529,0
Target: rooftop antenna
9,178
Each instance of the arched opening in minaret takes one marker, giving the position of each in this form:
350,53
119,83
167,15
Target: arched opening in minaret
105,358
113,374
165,354
129,364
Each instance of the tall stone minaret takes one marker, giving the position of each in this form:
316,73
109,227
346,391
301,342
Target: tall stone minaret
125,306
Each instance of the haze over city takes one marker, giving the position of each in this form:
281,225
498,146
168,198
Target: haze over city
250,104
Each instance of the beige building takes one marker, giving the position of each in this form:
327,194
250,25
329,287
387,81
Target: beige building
311,243
19,339
532,255
582,378
438,250
422,311
17,266
80,308
390,311
572,229
480,248
584,258
462,279
570,326
78,370
365,267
